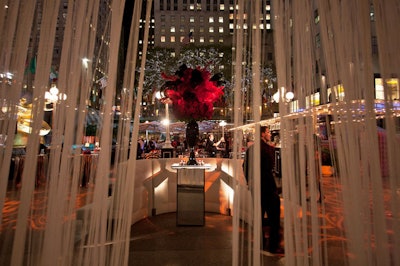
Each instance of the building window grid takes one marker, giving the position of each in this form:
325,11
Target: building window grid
194,19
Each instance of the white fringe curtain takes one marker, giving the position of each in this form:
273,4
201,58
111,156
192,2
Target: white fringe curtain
370,220
370,224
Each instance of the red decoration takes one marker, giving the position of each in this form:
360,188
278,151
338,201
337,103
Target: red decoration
193,93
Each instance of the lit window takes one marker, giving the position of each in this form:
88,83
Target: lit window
267,7
211,29
172,38
191,19
268,16
221,19
162,38
222,7
221,40
211,19
231,26
316,16
268,26
201,39
211,40
173,29
317,40
191,7
221,29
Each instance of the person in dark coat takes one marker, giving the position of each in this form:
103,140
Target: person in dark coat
270,200
211,146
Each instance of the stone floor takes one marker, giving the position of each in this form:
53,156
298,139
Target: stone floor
159,241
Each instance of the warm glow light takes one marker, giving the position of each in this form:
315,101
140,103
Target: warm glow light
85,62
226,197
62,96
275,97
54,90
165,122
289,96
53,95
161,195
160,95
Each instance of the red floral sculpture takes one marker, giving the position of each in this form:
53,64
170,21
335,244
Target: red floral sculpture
193,92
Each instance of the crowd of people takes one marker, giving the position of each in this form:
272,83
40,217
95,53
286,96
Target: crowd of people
206,147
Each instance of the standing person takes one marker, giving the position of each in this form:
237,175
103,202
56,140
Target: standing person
270,201
211,146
